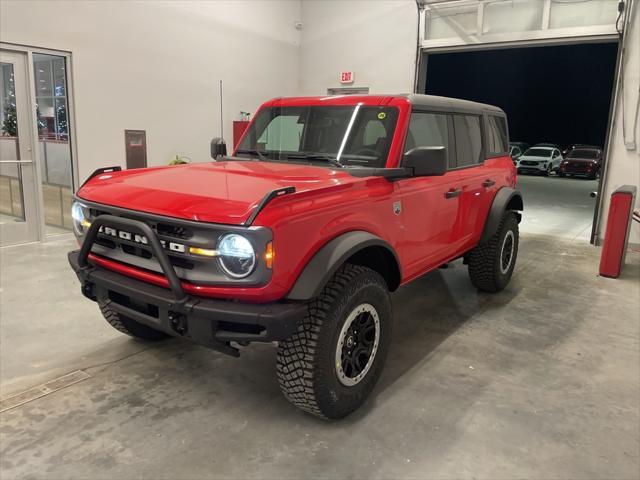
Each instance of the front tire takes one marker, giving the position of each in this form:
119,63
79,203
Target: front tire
330,366
491,264
128,326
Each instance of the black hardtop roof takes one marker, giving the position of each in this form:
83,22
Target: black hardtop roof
458,105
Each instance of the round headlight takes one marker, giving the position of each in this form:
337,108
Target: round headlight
236,255
79,219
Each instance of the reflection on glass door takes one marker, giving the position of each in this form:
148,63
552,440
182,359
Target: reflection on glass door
18,198
12,204
53,141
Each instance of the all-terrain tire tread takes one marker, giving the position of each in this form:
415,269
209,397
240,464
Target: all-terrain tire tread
112,317
482,260
127,326
294,366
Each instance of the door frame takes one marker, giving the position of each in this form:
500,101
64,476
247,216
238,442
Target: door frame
26,231
71,115
421,83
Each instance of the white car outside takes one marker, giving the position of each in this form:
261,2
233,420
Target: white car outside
542,160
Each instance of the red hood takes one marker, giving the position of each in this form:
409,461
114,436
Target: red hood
223,192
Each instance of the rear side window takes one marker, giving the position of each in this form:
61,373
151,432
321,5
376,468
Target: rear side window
496,141
428,130
468,140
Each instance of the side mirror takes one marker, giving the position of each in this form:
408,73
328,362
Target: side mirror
218,148
426,161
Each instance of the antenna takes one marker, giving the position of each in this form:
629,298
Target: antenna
221,118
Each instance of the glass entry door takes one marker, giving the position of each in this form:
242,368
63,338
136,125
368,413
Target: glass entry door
18,189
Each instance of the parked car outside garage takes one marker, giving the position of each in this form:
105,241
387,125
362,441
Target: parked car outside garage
582,161
541,160
573,146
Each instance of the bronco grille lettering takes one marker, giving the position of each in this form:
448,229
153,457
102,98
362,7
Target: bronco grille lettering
141,239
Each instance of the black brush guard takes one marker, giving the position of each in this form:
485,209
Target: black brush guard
209,322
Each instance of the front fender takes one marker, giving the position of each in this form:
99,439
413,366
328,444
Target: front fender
329,258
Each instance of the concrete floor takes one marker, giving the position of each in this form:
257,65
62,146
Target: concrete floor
539,381
556,206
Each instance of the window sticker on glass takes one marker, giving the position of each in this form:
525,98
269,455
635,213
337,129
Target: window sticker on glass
382,116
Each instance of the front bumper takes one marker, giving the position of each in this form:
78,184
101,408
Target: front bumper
213,323
531,169
578,170
209,322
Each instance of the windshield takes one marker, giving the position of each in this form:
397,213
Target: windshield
353,135
590,154
537,152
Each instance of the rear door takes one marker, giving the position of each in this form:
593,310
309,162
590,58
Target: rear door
478,175
430,205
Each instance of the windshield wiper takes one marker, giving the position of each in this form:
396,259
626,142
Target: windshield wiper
315,156
252,152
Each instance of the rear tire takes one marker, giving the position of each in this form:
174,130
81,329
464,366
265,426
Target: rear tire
491,264
128,326
330,366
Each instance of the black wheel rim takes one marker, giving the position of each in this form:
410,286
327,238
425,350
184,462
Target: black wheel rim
357,344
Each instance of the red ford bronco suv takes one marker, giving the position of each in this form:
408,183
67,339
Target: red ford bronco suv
326,206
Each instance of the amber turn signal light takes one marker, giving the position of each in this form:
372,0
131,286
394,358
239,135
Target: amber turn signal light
269,255
204,252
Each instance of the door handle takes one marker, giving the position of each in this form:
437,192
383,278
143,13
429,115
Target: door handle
16,161
452,193
488,183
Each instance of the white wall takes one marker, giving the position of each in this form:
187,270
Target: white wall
155,66
374,39
624,164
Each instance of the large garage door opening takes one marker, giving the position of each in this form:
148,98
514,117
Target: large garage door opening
557,99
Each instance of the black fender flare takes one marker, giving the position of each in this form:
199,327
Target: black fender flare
507,198
329,258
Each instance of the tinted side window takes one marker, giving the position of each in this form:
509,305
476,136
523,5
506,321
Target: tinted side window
497,141
468,139
427,130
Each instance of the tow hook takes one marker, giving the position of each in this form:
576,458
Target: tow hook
87,291
178,323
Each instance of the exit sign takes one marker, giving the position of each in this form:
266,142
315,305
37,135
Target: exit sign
346,77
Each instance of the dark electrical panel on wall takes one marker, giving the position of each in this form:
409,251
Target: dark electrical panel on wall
135,142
